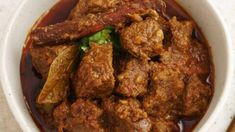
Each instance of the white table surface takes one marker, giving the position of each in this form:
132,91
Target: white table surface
226,7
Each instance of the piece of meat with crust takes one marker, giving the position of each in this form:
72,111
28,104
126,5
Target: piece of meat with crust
182,33
133,80
197,97
81,116
199,59
165,97
185,53
86,117
43,57
126,116
165,126
60,115
196,61
94,77
143,39
85,7
80,27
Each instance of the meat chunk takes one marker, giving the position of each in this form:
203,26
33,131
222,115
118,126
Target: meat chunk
94,77
85,7
126,116
60,115
167,88
198,60
197,97
181,32
175,59
82,116
75,29
178,53
143,39
194,62
165,126
186,54
42,57
133,80
85,117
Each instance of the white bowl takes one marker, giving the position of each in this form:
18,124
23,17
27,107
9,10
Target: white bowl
29,11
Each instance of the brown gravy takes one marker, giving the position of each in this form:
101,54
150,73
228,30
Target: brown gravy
32,82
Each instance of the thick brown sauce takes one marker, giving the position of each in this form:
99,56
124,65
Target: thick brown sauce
32,82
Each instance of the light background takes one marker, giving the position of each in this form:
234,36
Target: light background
226,8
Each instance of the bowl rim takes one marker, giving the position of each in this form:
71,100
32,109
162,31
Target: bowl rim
5,82
229,74
16,111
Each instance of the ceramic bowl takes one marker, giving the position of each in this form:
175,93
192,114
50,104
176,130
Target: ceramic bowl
203,12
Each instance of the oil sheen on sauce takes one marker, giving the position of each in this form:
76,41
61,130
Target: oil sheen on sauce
32,83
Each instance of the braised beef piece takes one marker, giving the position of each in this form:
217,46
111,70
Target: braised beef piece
89,24
61,113
94,77
196,98
167,88
126,115
43,57
133,80
81,116
199,59
165,126
143,39
85,7
187,54
182,33
86,117
177,54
